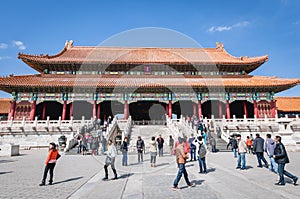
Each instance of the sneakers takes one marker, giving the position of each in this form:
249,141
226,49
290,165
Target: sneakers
42,184
279,183
295,180
105,178
175,188
50,183
192,185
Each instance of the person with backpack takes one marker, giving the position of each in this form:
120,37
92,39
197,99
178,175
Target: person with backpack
201,153
140,145
233,143
50,162
192,148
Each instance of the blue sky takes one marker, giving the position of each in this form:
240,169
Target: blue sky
245,27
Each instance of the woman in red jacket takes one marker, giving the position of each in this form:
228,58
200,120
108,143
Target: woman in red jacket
50,163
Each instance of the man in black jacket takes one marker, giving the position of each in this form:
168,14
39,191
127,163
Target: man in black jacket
258,149
281,158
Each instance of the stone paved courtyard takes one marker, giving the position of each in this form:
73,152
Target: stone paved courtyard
79,176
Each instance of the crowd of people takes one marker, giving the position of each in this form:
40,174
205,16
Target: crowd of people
194,148
258,146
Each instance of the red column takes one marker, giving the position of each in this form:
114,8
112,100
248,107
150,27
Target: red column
13,105
199,109
126,110
273,106
170,109
94,109
64,111
245,108
194,109
98,110
44,111
255,108
71,109
32,112
220,110
227,109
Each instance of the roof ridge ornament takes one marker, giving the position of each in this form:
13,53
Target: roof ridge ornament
219,46
69,44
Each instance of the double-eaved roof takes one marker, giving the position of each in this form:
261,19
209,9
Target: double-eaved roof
124,56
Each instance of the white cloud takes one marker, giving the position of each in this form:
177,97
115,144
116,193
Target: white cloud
4,57
296,23
19,44
227,28
3,46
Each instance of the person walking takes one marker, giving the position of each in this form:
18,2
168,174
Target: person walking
233,143
249,144
110,160
103,144
124,149
140,145
181,157
171,144
153,152
192,148
201,153
50,162
281,158
258,149
269,149
160,144
213,144
242,150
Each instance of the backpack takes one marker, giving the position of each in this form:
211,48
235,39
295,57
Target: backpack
202,151
234,144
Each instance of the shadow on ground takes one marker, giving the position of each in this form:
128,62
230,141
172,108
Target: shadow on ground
68,180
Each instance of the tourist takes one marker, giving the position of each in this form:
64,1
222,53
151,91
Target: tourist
181,157
201,153
99,123
269,149
281,158
213,144
204,135
242,150
124,149
110,160
84,146
258,149
95,146
52,157
192,148
171,144
233,143
249,144
103,144
140,146
153,152
79,141
160,144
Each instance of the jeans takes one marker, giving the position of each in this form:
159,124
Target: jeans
260,157
213,149
234,152
193,153
241,160
202,164
49,166
181,171
282,172
124,159
160,151
79,149
273,166
140,156
153,159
